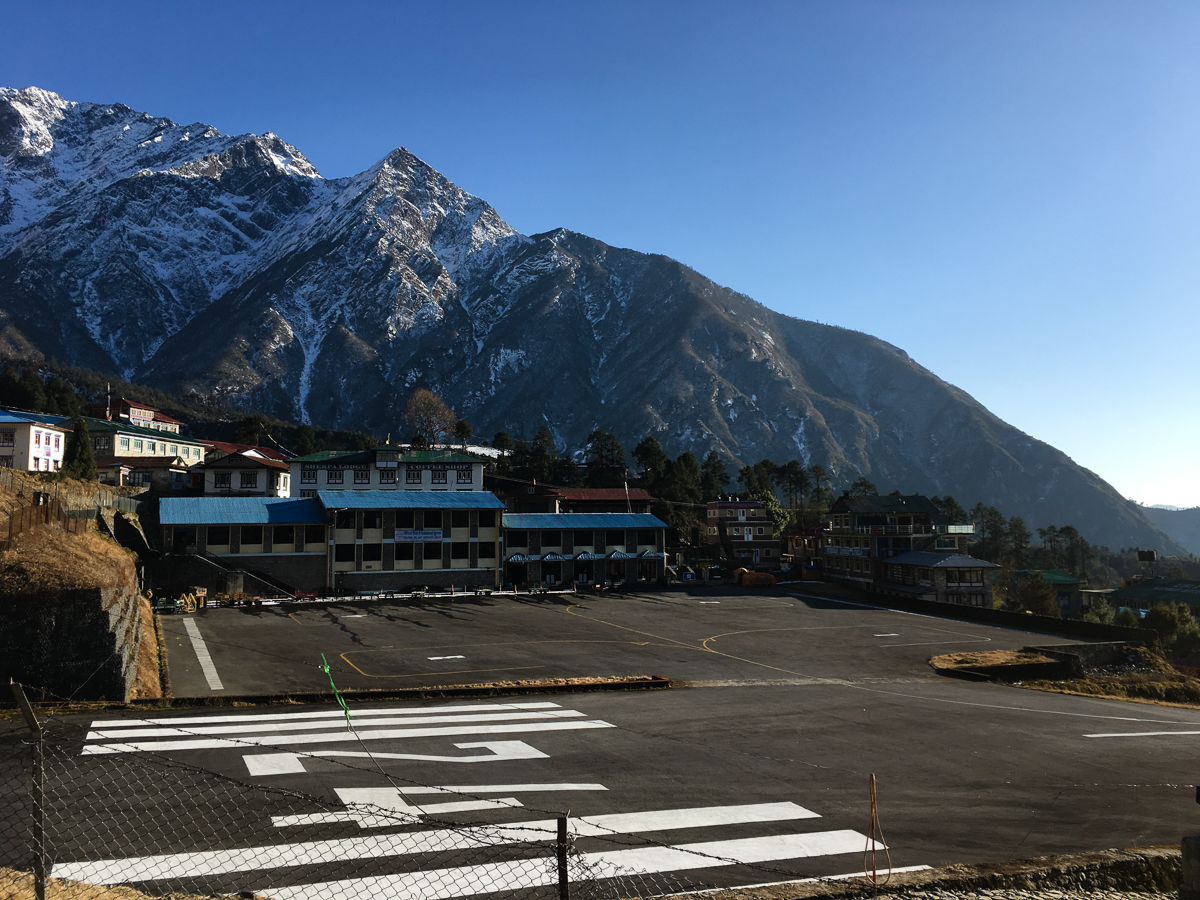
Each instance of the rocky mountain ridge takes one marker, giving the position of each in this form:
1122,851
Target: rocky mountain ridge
228,266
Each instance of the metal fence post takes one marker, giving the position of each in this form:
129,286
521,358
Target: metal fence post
564,886
39,807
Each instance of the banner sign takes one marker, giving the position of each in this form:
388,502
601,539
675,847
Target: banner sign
418,537
845,551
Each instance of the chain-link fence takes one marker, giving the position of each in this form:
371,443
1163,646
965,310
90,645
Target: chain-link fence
76,815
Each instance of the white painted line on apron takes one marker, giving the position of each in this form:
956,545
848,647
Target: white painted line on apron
324,714
1140,734
206,663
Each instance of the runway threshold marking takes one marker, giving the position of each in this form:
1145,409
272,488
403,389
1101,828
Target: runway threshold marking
378,846
201,649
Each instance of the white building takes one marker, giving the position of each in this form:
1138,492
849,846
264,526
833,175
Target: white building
386,468
30,444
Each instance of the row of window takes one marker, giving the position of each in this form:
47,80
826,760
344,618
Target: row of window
249,480
39,436
406,519
252,535
964,576
386,476
344,553
714,513
138,445
581,538
737,529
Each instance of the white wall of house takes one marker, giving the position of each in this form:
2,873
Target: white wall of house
313,477
251,480
31,447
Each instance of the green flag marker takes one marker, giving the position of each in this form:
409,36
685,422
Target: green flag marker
345,708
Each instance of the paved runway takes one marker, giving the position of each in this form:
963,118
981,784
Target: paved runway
789,703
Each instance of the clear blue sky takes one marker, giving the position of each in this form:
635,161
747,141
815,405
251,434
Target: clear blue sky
1008,191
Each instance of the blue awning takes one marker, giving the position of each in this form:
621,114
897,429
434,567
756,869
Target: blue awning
586,555
554,557
621,554
523,557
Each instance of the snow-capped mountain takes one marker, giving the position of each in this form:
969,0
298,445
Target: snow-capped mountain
197,261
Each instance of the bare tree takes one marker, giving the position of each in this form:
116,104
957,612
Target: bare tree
429,418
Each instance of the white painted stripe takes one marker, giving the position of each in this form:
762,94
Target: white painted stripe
206,663
443,884
159,731
1140,734
502,788
447,657
272,740
883,635
252,859
292,763
324,714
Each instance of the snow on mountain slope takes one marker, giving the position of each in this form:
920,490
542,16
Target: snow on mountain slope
226,265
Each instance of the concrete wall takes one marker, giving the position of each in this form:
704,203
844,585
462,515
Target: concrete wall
80,644
352,582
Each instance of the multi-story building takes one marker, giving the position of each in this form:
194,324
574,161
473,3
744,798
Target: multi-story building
29,443
345,541
744,533
386,468
130,412
247,473
134,454
584,548
904,546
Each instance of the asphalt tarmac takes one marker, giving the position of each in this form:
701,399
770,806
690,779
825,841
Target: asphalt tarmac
786,705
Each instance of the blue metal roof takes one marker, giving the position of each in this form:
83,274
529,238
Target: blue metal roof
582,520
240,511
409,500
11,418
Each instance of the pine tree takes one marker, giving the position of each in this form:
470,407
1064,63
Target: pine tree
78,459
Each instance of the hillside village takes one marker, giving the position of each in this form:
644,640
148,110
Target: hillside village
234,520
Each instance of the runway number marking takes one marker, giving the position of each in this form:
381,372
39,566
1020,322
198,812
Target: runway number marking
206,663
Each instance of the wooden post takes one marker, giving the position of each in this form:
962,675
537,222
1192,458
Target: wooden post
38,794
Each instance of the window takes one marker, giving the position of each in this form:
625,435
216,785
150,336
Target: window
735,530
433,519
372,518
137,445
221,480
487,518
460,518
387,476
404,551
174,449
314,534
362,476
57,444
372,552
551,538
518,539
646,537
37,439
433,554
712,530
334,476
404,519
6,462
124,443
343,553
218,535
7,438
283,534
460,550
412,475
283,482
344,519
612,538
466,476
249,479
760,529
487,550
582,539
187,452
251,534
437,476
308,476
151,446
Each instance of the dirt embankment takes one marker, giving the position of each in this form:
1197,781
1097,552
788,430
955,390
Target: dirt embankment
16,885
